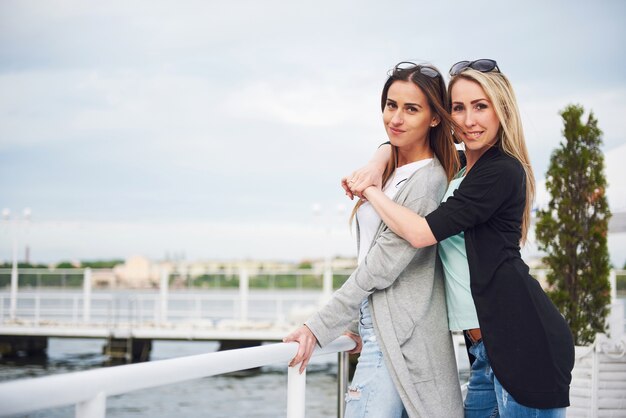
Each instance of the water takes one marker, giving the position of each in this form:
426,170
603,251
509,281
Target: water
258,395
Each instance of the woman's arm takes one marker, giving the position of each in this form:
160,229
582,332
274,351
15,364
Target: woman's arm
369,175
476,200
384,262
401,220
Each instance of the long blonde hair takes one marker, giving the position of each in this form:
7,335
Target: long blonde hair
511,135
440,137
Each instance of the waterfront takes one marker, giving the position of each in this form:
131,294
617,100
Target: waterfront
262,394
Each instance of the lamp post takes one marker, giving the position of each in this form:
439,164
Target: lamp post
326,223
13,222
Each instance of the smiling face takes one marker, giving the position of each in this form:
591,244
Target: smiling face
407,116
475,114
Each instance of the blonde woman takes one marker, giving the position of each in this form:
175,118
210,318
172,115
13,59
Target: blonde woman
522,348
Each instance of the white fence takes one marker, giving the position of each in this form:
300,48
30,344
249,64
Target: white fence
88,390
35,303
144,307
598,387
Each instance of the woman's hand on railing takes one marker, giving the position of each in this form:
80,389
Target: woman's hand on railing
357,339
306,340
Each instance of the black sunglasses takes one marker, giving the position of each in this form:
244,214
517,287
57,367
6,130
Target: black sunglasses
482,65
407,65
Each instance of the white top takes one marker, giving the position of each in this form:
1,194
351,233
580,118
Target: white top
366,215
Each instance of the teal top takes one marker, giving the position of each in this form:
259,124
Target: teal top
461,309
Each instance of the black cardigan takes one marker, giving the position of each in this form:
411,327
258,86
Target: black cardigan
529,344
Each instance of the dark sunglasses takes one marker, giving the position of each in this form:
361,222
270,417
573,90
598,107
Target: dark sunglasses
482,65
407,65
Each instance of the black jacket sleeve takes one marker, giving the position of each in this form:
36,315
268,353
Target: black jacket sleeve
485,189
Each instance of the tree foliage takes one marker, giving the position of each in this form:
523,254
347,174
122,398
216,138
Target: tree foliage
573,228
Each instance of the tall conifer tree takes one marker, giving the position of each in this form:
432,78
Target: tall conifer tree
573,229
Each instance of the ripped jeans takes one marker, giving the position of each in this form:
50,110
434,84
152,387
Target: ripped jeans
372,393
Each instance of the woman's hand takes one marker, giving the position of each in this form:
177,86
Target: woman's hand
357,339
369,175
361,179
306,340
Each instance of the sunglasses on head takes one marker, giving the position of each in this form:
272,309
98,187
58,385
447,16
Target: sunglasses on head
482,65
407,65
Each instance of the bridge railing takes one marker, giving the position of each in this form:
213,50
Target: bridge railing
268,302
227,297
148,308
88,390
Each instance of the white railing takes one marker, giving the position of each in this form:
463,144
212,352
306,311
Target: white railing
158,306
140,307
63,307
88,390
162,305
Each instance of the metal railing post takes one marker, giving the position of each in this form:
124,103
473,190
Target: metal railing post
87,295
243,294
198,309
14,281
164,287
296,390
37,308
343,372
75,309
327,283
93,408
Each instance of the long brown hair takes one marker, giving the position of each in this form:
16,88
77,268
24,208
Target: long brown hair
511,134
440,137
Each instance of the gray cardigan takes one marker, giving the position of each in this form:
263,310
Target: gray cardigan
407,301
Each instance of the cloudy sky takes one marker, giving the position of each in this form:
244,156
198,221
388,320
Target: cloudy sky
212,129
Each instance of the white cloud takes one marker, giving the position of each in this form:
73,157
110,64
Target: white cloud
304,104
543,125
257,105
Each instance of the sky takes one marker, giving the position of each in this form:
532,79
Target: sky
221,130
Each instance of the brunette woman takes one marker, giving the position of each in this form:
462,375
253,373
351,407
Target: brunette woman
407,365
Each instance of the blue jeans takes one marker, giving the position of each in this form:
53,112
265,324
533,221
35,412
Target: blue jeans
372,393
486,398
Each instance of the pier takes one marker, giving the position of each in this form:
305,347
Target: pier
130,320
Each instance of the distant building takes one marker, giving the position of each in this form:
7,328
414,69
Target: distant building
140,272
137,272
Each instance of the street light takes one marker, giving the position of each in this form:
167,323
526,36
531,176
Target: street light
13,222
326,223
